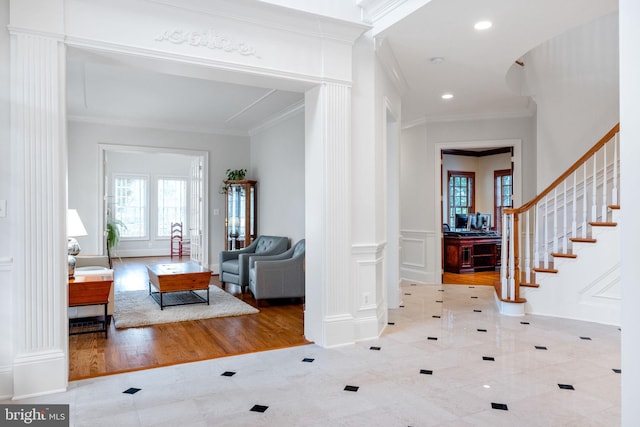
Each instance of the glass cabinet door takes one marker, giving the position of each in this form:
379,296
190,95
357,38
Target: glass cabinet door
240,219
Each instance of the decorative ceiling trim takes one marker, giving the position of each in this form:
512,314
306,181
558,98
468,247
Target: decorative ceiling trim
278,118
390,64
155,125
250,106
210,39
529,112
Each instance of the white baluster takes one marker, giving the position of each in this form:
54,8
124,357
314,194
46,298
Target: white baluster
564,220
536,237
546,239
604,184
512,261
614,189
527,249
574,210
503,256
594,201
555,219
584,201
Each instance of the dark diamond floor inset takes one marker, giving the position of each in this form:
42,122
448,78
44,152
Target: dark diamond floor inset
308,359
501,406
566,386
432,338
585,338
438,301
228,374
474,297
477,311
524,323
489,358
375,348
426,371
391,323
435,317
351,388
541,347
259,408
617,371
132,390
482,330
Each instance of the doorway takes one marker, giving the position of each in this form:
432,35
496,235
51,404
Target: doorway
485,204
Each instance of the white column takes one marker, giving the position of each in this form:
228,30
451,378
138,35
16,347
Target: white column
39,172
329,317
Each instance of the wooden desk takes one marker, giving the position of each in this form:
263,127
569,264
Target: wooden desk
90,290
469,252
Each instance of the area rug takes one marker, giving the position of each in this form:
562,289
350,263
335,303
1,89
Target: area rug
138,308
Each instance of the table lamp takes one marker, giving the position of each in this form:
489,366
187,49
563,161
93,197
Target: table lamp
75,228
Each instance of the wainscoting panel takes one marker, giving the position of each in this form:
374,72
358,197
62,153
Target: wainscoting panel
417,256
6,370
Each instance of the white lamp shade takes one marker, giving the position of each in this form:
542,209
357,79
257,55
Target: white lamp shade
75,227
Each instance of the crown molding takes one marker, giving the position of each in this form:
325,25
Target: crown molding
155,125
273,16
389,63
517,114
374,10
278,118
14,30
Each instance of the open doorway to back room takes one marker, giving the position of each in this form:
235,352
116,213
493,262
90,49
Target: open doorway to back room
477,181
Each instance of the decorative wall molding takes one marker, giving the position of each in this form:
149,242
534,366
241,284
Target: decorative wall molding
278,118
416,263
209,39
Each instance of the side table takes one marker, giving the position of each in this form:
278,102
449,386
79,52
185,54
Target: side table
90,290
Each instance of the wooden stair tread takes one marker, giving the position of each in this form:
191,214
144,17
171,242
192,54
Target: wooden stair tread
530,285
545,270
582,239
561,255
614,207
603,224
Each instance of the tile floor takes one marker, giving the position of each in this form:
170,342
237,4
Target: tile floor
447,358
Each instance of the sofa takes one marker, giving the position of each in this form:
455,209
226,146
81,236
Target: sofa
234,265
87,265
278,276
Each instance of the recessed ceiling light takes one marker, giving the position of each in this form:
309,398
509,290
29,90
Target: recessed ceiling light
436,60
447,96
483,25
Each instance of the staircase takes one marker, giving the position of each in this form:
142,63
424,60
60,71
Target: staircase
560,251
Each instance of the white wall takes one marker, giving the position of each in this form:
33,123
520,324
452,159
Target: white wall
574,81
225,152
277,163
420,241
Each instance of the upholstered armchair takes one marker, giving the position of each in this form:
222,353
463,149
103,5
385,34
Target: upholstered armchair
278,276
234,265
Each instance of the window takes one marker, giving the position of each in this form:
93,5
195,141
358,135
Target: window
503,190
130,205
172,204
461,194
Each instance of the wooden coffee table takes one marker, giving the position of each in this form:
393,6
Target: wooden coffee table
181,277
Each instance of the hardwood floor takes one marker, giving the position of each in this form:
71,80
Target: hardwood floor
484,278
279,324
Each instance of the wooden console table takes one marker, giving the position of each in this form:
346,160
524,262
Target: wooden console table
90,290
468,252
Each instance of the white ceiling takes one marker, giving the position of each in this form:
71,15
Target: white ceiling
126,90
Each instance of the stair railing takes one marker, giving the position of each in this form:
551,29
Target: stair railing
546,227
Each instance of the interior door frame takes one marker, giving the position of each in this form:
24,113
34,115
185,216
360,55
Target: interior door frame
202,155
516,162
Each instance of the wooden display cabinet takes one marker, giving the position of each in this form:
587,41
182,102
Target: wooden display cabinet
240,220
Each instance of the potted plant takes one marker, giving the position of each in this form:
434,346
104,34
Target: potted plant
113,235
232,175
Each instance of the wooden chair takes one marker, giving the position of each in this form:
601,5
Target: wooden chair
179,245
